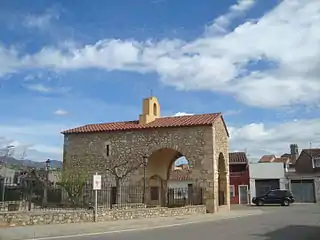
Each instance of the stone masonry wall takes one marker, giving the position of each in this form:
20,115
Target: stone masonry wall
221,146
33,218
88,150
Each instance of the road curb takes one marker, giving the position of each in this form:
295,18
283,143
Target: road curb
175,222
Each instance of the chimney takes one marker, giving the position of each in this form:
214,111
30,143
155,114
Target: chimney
294,152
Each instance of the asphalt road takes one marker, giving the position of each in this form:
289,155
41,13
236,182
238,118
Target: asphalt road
297,222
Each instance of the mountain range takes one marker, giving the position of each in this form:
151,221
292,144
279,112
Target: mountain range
17,163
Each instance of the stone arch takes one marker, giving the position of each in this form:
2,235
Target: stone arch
161,160
222,181
158,167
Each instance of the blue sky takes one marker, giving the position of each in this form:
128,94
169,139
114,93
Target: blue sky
63,65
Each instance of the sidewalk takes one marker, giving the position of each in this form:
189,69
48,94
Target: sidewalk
55,231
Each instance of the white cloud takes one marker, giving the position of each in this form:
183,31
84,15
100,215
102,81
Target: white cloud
270,62
9,60
231,112
39,140
41,21
178,114
221,23
259,139
39,88
60,112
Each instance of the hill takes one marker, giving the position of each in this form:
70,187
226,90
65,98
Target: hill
28,163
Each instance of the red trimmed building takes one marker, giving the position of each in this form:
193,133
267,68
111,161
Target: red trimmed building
239,178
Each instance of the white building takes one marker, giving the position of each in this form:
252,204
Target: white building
265,177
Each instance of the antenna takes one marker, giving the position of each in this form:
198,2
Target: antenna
151,92
310,145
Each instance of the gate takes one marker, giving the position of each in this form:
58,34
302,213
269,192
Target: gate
303,191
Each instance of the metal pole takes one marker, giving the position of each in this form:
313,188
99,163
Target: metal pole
144,183
96,204
3,186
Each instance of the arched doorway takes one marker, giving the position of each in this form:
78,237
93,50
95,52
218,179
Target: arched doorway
222,181
169,178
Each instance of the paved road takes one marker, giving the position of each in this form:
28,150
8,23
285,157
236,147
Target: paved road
298,222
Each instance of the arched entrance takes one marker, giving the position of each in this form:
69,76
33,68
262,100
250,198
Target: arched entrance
222,181
168,183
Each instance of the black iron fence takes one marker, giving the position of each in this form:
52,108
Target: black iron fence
32,195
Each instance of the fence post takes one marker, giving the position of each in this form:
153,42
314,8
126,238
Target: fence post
30,194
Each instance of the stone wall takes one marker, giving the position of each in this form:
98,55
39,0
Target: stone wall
201,145
88,150
47,217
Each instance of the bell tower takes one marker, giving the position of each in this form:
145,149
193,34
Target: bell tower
150,110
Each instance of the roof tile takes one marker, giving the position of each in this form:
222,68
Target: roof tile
163,122
238,157
267,158
183,174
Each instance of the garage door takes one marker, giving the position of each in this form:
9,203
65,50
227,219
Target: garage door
303,191
265,185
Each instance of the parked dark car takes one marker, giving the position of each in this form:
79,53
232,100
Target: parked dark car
283,197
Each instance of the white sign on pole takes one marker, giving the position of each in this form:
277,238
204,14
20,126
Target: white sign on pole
96,182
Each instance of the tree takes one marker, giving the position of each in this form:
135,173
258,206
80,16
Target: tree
120,169
73,182
7,151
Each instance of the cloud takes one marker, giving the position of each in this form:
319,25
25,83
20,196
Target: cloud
42,88
40,140
259,138
269,62
178,114
60,112
221,23
41,21
39,88
231,112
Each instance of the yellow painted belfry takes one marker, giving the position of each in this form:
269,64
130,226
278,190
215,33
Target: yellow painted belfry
150,110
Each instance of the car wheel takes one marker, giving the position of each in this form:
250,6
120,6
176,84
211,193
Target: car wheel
286,203
260,203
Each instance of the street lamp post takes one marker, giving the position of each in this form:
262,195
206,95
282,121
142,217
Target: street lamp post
145,164
5,180
45,190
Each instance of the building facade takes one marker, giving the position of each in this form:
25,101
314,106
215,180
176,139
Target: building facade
239,178
265,177
304,178
148,147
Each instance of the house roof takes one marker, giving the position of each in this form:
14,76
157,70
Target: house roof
312,152
281,160
288,155
163,122
238,157
183,174
267,158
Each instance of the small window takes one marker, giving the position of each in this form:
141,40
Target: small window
108,150
316,162
154,193
232,191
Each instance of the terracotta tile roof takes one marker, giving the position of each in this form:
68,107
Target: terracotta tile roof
163,122
267,158
184,174
238,157
281,160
